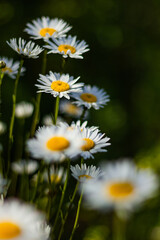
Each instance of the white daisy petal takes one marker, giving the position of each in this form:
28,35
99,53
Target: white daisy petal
27,50
68,47
24,109
45,28
91,97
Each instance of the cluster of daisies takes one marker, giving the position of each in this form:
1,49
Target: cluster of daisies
59,142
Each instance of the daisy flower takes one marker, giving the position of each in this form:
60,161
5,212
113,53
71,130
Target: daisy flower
122,187
59,85
51,143
3,127
27,50
78,126
91,97
57,175
94,141
84,173
71,109
24,109
68,47
11,68
21,222
28,167
44,28
48,120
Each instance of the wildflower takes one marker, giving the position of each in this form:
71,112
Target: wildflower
3,127
28,167
24,110
94,141
11,68
27,50
68,47
21,221
51,143
48,120
57,175
122,187
91,97
83,173
70,109
59,85
44,28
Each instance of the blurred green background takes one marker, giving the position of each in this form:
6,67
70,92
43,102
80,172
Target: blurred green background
124,59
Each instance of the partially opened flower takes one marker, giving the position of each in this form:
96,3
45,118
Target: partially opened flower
25,49
52,143
57,175
11,68
3,127
91,97
23,109
21,222
59,85
70,109
83,173
122,187
23,166
94,142
44,28
68,47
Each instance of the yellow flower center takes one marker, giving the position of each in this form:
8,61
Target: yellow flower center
88,97
84,175
57,144
64,48
59,86
55,178
7,69
121,190
45,31
72,109
89,144
9,230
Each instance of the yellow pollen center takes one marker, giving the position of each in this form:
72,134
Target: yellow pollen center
72,109
64,48
55,178
45,31
9,230
86,176
88,97
57,144
7,69
59,86
121,190
89,144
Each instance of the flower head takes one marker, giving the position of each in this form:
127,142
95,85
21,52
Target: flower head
91,97
68,47
71,109
52,143
48,120
83,173
94,142
44,28
59,85
20,221
57,175
11,68
27,50
3,127
28,167
24,110
122,187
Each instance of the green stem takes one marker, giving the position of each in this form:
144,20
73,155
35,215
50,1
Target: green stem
13,111
1,77
38,98
77,216
83,113
56,110
118,228
36,187
62,196
67,212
